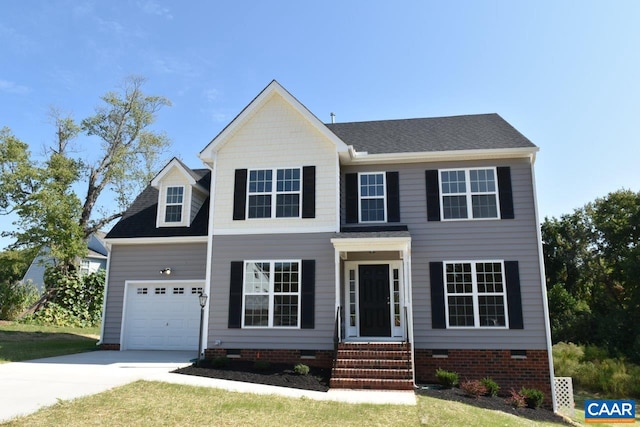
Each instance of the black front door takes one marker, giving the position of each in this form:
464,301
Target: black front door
375,319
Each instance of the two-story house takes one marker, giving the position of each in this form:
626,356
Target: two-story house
383,249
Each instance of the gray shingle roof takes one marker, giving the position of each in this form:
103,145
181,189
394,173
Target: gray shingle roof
471,132
140,219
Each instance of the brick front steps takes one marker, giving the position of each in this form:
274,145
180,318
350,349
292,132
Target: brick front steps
375,366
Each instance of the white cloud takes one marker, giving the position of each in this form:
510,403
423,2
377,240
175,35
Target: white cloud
12,87
211,95
152,8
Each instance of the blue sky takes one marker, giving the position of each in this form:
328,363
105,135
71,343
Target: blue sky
564,73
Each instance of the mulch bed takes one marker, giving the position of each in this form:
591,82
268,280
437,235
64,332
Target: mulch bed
496,403
276,374
318,380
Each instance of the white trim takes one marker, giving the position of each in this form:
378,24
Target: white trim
432,156
384,197
396,332
185,206
273,193
208,271
366,244
174,163
271,293
468,194
105,294
475,294
128,283
271,230
156,240
274,88
545,303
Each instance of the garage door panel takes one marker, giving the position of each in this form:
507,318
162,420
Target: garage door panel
162,317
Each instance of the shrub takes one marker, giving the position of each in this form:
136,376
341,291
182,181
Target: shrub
473,388
220,362
261,365
492,387
16,298
532,397
301,369
566,359
447,378
516,399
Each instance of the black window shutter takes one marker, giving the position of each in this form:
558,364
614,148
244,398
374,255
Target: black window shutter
514,299
505,192
309,192
351,197
308,289
239,194
433,195
438,320
235,294
393,197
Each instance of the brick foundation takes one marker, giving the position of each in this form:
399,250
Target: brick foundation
321,359
110,347
531,371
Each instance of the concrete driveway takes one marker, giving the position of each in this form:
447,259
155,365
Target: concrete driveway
28,386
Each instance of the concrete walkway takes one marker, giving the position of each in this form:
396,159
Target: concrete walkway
25,387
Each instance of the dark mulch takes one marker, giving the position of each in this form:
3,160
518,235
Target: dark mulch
276,374
496,403
318,380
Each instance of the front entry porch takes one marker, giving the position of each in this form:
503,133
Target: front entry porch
373,311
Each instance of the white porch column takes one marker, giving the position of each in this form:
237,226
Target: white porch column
337,280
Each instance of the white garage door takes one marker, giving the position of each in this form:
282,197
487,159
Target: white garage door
162,316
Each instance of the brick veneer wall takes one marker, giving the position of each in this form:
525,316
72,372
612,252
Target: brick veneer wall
531,371
322,358
109,346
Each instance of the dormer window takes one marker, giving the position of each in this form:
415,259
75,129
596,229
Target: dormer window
174,202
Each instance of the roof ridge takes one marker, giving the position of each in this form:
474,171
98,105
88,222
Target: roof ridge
415,118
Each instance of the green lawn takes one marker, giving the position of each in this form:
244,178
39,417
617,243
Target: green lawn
26,342
160,404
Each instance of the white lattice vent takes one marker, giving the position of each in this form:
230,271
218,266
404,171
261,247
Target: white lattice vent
564,396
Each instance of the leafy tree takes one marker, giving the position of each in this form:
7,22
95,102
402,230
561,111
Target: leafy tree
14,264
41,193
592,258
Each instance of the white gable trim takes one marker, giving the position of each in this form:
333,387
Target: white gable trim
174,163
274,88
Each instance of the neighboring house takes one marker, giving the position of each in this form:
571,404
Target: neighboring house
95,260
414,243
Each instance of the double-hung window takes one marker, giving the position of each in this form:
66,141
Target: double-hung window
372,197
469,193
173,206
475,294
271,294
262,192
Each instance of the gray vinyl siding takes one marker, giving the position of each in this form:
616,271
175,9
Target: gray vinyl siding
197,199
316,246
188,261
437,241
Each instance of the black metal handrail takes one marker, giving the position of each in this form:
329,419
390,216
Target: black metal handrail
336,336
406,323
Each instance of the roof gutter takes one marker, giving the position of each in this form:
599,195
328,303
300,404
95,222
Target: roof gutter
432,156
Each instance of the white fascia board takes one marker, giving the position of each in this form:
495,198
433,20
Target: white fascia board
174,163
206,155
450,155
365,244
157,240
272,230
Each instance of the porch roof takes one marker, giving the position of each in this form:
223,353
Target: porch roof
372,241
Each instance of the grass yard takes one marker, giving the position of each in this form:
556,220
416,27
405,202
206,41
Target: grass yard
160,404
27,342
